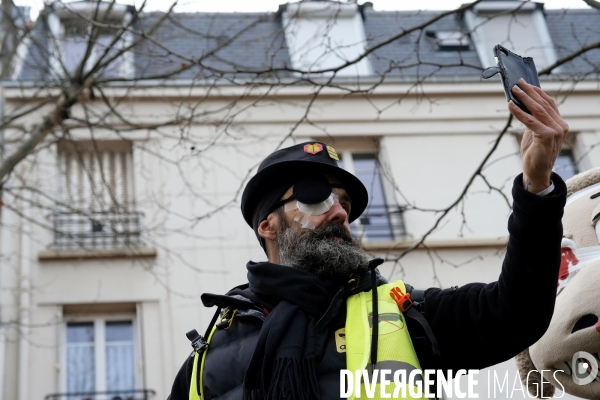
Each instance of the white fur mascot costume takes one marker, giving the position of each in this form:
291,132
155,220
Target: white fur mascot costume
572,342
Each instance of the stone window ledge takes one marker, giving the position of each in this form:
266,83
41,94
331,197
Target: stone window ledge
80,254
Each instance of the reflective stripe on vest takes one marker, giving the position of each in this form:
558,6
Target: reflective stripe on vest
395,350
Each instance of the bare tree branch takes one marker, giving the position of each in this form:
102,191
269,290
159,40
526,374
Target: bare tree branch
39,133
445,212
592,3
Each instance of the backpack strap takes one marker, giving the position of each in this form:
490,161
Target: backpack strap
415,294
231,304
414,313
200,346
198,342
197,378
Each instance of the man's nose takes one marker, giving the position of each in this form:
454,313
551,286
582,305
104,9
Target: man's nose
337,214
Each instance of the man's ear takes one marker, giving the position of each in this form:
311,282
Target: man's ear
267,229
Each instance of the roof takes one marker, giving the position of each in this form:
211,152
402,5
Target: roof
223,43
226,43
571,30
415,54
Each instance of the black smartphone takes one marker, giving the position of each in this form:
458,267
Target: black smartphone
512,67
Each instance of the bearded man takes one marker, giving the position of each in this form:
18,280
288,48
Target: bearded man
309,311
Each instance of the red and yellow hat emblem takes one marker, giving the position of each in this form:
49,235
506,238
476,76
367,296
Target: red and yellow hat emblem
313,148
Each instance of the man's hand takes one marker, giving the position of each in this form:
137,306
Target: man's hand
543,137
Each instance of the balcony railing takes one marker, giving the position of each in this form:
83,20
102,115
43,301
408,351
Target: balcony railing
380,223
96,230
134,394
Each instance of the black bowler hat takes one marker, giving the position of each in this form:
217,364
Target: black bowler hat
283,168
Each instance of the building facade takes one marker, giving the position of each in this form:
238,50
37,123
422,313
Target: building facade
129,210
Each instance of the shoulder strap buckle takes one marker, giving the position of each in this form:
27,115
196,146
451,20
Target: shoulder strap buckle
198,342
402,299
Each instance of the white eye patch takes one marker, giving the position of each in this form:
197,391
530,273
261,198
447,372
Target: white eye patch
308,210
317,209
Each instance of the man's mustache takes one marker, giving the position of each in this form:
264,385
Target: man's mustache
327,251
328,229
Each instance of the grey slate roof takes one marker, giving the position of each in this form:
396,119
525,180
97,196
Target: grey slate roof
261,45
245,41
401,58
572,30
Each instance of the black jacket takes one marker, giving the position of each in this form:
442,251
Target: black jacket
476,325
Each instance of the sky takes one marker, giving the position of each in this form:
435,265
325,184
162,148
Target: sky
272,5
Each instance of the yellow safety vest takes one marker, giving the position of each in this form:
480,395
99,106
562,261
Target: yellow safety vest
394,345
394,348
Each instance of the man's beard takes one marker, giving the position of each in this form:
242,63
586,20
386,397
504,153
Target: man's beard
317,252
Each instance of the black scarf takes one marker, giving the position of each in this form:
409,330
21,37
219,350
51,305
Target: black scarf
283,363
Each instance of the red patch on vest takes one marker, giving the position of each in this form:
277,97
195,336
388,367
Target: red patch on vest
567,258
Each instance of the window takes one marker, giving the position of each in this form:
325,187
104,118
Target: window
518,25
97,207
72,23
565,164
449,41
382,220
74,46
323,35
100,359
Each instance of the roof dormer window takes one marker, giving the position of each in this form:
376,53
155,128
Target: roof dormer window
518,25
449,41
324,35
74,29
